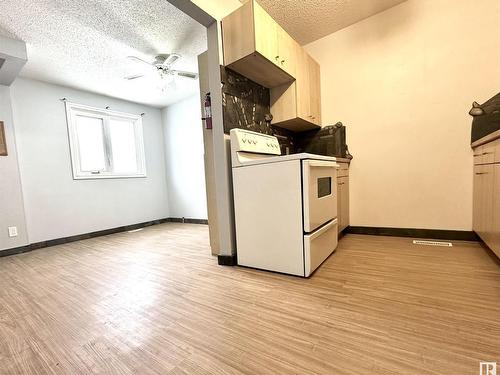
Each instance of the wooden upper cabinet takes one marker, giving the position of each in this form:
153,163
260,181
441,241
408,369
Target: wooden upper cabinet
309,90
303,88
257,47
287,52
266,33
297,106
314,90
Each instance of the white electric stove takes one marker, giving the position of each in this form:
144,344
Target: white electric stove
285,206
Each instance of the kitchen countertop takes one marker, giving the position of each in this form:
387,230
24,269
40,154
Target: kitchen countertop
486,139
343,160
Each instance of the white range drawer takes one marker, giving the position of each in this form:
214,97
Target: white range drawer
319,245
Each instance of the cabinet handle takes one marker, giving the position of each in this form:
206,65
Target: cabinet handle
282,61
487,153
277,57
481,172
477,155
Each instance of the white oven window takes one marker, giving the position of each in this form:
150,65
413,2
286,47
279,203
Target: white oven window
104,143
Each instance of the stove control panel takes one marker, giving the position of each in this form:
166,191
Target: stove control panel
252,142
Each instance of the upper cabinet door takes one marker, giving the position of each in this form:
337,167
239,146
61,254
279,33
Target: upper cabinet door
251,41
314,90
303,87
266,34
308,89
287,52
236,43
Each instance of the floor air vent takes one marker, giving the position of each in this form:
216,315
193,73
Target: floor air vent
432,243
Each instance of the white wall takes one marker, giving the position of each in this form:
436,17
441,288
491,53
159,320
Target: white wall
56,205
402,82
184,159
11,200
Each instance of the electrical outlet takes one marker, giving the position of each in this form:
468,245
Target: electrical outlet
12,231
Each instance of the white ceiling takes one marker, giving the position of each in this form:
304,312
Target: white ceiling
84,44
309,20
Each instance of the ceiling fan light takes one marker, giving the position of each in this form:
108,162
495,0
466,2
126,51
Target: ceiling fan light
167,77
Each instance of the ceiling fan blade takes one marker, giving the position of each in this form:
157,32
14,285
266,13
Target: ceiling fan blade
173,57
135,58
181,73
135,76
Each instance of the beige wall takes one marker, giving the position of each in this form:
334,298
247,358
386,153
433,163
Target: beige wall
402,82
218,9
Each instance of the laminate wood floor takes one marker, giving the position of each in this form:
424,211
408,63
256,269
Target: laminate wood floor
156,302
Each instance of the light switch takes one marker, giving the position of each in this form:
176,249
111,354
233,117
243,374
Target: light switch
12,231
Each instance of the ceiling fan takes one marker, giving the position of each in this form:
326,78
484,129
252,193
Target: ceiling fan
162,64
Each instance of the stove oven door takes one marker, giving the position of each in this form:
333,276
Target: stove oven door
319,189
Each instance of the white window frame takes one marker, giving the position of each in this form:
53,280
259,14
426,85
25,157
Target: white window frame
72,110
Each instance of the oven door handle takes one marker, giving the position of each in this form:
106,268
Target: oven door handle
322,229
322,164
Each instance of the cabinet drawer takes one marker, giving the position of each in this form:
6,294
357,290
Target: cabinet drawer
478,155
491,152
488,153
343,170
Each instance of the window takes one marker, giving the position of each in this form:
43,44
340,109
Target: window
105,144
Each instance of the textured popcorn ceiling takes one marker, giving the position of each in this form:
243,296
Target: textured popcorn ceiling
84,44
309,20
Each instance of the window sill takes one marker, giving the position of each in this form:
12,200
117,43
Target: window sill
108,177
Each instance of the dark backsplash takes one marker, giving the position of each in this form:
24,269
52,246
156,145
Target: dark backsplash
329,140
246,104
489,121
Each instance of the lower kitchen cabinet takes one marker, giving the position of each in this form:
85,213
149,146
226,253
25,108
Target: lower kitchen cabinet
343,196
486,200
495,236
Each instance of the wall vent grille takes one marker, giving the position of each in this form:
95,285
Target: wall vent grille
432,243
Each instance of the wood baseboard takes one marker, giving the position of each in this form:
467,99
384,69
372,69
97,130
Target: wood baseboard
187,221
437,234
79,237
